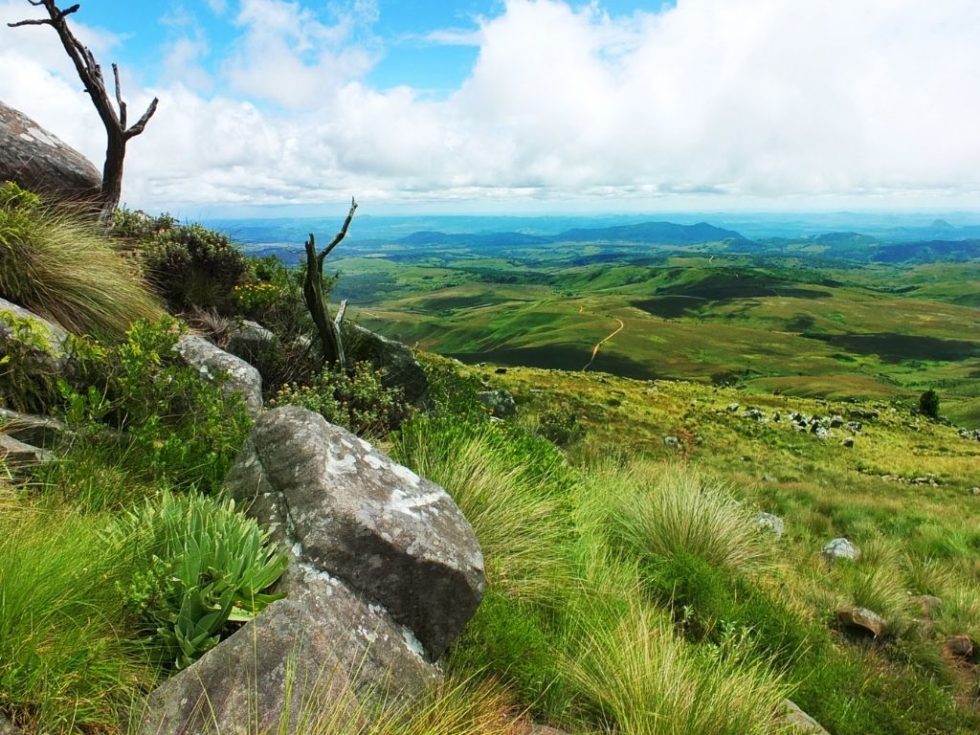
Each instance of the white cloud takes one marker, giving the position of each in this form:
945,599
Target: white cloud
758,99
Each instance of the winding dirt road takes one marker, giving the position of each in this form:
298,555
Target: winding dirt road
601,342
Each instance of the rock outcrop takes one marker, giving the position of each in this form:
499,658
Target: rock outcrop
35,159
349,511
250,341
841,548
384,573
234,374
393,360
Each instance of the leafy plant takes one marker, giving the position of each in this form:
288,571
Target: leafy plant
180,428
356,400
29,364
560,426
64,268
205,565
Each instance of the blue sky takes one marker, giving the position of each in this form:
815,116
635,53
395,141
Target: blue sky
548,106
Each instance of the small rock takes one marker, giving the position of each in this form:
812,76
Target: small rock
776,417
836,421
250,341
17,455
800,721
755,413
862,618
41,431
820,432
770,522
672,442
500,402
732,407
841,548
214,364
500,371
848,442
961,646
975,491
928,604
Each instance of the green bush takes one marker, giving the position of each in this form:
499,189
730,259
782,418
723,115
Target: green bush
358,400
188,265
203,565
62,267
560,426
29,364
178,428
929,404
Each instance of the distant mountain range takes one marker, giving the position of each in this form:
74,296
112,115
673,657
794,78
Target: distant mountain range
662,233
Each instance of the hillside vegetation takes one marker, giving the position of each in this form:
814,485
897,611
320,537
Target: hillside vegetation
632,586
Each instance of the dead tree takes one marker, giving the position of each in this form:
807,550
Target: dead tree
327,329
89,71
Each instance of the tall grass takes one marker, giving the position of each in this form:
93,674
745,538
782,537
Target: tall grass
64,268
519,522
65,665
663,511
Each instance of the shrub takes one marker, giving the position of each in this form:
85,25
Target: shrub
190,265
64,268
65,663
204,565
929,404
180,428
29,364
560,426
358,400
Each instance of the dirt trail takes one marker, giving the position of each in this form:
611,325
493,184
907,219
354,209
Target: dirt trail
601,342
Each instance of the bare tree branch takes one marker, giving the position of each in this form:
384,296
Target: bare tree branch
114,120
340,235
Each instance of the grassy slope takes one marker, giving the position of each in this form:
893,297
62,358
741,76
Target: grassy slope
873,332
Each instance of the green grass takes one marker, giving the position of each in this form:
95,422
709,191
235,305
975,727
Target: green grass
62,267
68,660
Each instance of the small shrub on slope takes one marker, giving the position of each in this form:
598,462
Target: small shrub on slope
65,269
203,564
180,428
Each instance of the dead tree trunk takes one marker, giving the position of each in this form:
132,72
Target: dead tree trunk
327,329
115,122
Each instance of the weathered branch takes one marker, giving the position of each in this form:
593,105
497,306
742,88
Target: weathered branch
113,120
328,330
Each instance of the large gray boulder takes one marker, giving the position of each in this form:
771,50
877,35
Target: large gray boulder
35,159
346,509
323,653
251,341
393,360
214,364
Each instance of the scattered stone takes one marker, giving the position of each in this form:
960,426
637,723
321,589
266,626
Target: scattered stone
17,455
500,371
770,478
672,442
41,431
854,427
848,442
250,341
394,361
214,364
820,432
732,407
928,604
861,618
841,548
791,715
862,414
836,421
500,402
776,417
7,727
770,522
755,413
350,511
960,646
975,491
36,160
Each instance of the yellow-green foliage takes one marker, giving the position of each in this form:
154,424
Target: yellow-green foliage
64,268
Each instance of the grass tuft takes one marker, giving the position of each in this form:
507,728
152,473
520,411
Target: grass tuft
64,268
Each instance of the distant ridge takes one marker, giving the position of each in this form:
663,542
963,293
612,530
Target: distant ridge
656,232
666,233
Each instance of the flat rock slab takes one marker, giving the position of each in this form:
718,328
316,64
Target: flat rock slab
40,431
798,720
18,455
347,509
862,619
214,364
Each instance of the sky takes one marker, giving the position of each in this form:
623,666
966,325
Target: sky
278,107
